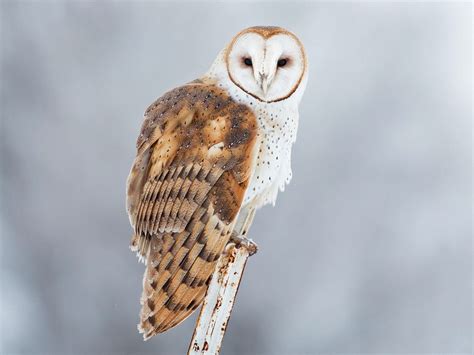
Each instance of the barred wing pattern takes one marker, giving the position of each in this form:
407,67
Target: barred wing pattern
184,192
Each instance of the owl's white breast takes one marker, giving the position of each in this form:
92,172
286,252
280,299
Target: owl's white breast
278,124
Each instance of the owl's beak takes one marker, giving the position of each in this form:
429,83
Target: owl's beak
264,82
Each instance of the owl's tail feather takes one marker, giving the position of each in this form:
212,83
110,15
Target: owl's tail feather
179,268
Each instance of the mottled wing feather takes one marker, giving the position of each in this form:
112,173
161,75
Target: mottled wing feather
184,192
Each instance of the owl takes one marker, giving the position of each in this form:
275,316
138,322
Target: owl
209,154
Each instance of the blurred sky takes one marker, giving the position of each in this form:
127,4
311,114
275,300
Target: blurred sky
368,250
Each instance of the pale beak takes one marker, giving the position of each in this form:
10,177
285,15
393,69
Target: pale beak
264,83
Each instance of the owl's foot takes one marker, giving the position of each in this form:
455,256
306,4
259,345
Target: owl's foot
240,240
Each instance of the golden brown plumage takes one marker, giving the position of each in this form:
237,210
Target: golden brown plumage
209,154
184,192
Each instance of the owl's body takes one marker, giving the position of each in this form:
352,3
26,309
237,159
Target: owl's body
209,154
277,124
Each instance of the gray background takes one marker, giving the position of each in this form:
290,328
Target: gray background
368,250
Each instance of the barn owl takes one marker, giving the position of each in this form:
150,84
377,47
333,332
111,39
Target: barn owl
209,154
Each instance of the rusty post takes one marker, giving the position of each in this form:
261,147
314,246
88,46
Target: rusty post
215,312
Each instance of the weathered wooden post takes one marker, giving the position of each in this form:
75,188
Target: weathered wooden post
217,307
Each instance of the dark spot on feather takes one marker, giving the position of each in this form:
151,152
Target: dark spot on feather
170,304
191,305
188,279
150,305
166,285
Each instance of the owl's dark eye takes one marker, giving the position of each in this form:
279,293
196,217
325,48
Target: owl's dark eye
248,62
282,62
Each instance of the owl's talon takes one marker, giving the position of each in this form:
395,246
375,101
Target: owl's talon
249,244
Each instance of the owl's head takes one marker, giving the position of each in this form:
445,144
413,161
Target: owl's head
268,63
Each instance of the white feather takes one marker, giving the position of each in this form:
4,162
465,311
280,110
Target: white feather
278,121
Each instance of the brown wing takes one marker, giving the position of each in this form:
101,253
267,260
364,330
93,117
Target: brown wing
184,192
